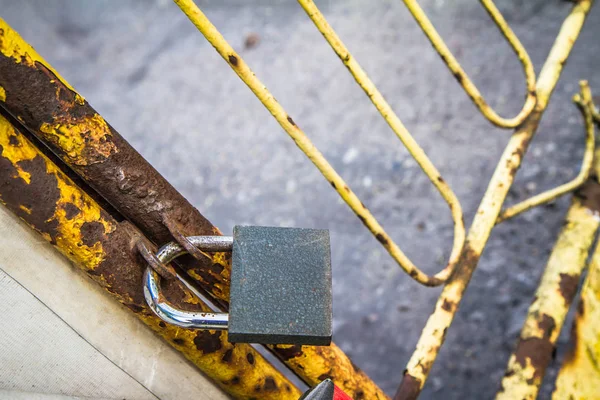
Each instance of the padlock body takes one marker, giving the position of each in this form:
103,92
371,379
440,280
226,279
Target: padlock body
280,286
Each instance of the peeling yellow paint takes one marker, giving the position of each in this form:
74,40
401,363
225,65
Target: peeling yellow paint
76,136
15,152
12,45
68,239
579,377
549,309
239,369
2,94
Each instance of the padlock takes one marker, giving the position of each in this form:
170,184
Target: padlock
280,286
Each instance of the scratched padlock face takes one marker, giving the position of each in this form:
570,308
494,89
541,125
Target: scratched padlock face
280,286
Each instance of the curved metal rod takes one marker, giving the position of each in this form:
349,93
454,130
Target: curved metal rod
162,308
215,38
585,105
461,76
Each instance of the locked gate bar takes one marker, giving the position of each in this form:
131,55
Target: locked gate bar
33,188
240,67
586,106
461,76
558,287
62,119
434,333
579,376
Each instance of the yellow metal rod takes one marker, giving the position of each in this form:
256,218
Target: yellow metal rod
462,77
585,105
433,334
552,301
579,377
215,38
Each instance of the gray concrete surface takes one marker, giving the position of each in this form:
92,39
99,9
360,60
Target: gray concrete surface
146,69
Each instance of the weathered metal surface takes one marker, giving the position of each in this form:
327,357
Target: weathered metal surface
547,313
434,333
239,66
558,286
52,97
34,189
34,93
281,286
579,377
585,104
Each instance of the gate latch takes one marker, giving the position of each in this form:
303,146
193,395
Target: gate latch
280,286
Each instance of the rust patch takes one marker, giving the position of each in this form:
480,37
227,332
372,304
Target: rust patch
589,193
538,351
409,388
39,197
448,306
287,353
458,77
208,342
13,140
250,358
322,377
91,232
227,356
233,60
568,287
270,384
179,341
547,325
381,239
71,210
290,120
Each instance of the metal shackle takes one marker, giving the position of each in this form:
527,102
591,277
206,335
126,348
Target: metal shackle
162,308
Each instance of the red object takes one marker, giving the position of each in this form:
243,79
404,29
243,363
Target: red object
339,395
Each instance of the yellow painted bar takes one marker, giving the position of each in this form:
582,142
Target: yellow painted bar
579,377
461,76
549,309
33,188
586,106
433,335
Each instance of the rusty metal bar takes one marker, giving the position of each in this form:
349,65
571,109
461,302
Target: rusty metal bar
579,377
434,333
35,94
32,91
34,188
553,298
558,285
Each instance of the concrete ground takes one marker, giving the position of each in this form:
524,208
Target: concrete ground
156,80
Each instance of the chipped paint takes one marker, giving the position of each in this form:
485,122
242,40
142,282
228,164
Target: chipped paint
2,94
133,187
432,337
13,46
314,364
579,377
548,311
85,140
77,226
